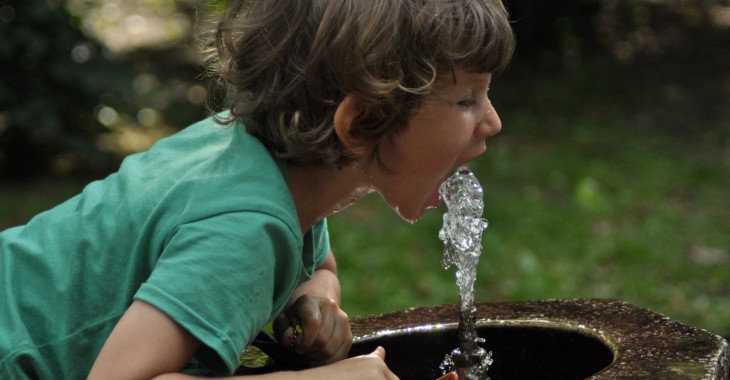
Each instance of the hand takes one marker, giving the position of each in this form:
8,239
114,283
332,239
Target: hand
366,367
316,328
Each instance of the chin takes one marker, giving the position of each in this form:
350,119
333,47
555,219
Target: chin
411,216
410,211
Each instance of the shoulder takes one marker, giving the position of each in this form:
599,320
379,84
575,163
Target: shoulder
212,168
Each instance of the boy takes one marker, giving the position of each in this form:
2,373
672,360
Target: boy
192,247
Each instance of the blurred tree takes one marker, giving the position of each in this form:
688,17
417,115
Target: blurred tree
565,33
83,78
667,60
52,80
74,102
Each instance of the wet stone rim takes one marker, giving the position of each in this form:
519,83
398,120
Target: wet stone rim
645,344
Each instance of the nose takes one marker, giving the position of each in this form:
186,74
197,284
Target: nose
490,124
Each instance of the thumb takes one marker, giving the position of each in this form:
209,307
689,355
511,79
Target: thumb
379,352
288,331
449,376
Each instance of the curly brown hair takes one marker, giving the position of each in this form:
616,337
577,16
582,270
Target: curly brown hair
287,64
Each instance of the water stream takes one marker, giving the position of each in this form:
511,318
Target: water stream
462,236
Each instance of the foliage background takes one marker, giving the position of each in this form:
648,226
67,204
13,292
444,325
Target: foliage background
609,179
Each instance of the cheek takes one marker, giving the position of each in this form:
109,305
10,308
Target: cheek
435,138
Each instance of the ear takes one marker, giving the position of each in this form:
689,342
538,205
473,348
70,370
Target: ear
347,112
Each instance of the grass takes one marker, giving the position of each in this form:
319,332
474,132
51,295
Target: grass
583,201
21,201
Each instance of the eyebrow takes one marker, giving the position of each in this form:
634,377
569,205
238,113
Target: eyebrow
445,96
439,96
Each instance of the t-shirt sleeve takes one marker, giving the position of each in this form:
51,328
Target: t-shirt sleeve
219,279
321,243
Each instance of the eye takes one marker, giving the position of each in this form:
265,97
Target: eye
467,103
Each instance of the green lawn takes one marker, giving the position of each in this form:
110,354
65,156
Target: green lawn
583,201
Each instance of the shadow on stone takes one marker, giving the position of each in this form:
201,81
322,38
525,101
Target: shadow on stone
551,339
519,352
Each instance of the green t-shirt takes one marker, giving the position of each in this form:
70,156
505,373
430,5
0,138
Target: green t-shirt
202,226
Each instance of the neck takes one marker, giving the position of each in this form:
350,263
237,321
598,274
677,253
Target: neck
321,190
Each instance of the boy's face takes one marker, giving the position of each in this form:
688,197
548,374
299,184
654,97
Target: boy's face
448,130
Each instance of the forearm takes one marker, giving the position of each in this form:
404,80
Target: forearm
271,376
366,367
323,284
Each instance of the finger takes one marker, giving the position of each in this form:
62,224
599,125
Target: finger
292,336
333,341
324,336
335,350
379,352
344,347
389,375
320,330
310,321
449,376
287,331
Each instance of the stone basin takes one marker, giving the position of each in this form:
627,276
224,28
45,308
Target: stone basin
553,339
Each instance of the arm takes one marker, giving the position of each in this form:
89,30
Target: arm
366,367
314,305
323,284
146,344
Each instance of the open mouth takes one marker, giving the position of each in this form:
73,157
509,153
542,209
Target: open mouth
435,201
